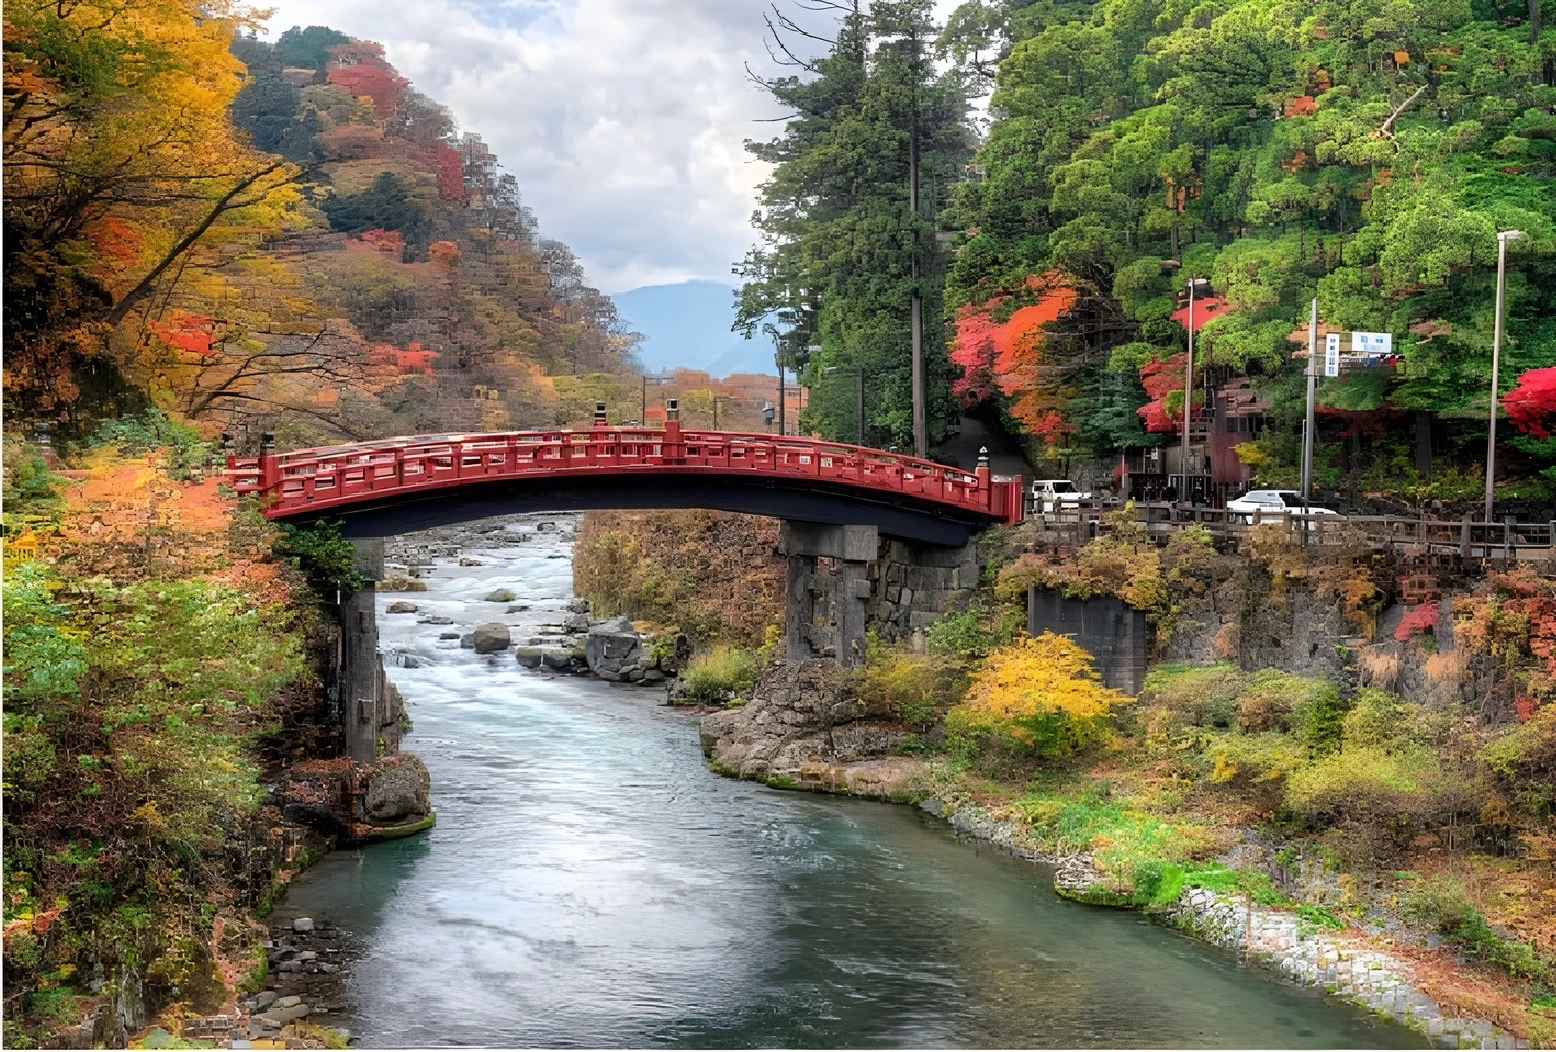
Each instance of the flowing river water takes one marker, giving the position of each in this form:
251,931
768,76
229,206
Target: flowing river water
591,883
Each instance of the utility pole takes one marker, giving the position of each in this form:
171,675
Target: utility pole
1188,398
920,413
1188,388
1312,391
783,399
1503,237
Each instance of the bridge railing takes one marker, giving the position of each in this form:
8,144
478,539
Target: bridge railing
1468,538
318,479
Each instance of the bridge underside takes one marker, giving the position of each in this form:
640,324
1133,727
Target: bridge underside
807,501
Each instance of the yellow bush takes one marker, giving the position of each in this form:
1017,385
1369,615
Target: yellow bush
1042,695
915,687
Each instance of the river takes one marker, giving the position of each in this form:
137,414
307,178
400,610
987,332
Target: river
590,883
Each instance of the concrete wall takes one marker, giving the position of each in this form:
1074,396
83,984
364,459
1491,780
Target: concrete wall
1116,634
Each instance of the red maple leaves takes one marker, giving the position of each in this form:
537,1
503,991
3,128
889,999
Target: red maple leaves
194,333
1532,404
1006,357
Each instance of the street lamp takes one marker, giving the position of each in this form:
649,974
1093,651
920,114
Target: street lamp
859,375
1195,285
1503,237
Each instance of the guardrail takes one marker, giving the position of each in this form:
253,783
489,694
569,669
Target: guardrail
312,480
1467,538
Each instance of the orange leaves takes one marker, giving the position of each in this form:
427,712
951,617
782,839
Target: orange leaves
192,333
388,242
1204,310
118,242
443,253
1007,357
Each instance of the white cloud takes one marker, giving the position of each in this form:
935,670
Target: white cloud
622,119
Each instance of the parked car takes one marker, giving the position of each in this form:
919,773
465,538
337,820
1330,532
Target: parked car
1051,495
1276,503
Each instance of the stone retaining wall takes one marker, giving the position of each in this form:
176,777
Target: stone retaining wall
1281,941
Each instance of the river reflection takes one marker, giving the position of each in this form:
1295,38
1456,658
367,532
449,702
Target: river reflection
590,883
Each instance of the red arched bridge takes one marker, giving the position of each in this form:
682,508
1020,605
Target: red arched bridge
404,484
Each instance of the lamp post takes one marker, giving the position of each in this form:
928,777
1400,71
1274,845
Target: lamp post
1503,237
1195,284
1309,422
859,375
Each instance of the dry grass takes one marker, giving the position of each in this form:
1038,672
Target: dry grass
1379,668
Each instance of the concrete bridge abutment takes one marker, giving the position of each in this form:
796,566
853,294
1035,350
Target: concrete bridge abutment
861,580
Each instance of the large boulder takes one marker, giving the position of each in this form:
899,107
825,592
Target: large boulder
395,788
491,638
612,647
501,595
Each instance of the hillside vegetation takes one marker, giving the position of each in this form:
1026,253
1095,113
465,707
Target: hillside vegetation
1363,152
268,237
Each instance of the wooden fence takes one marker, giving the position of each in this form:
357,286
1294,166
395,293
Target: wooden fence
1507,541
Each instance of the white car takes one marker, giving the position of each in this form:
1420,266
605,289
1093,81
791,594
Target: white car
1051,495
1274,504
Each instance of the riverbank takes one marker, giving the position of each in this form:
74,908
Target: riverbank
799,731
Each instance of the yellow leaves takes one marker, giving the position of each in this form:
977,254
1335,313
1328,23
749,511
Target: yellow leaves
1043,694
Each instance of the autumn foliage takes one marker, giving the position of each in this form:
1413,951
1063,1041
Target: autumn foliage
1162,381
1006,357
1532,404
1041,696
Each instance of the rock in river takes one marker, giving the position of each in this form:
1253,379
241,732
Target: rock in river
396,786
501,595
400,606
612,647
491,638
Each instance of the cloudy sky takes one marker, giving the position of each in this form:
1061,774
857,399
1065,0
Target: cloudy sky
622,119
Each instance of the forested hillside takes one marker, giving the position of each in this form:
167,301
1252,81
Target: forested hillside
1362,152
842,249
286,236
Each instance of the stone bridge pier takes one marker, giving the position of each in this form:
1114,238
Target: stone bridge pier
844,580
369,706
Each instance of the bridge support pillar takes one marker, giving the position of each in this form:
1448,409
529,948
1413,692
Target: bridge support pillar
800,607
370,708
853,549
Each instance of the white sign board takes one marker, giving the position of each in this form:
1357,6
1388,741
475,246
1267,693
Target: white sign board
1372,344
1332,354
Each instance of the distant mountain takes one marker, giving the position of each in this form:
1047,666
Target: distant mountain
686,326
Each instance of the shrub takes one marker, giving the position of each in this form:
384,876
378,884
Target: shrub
1250,760
1380,720
324,556
918,688
1194,696
1042,696
1523,762
1388,789
722,671
1440,903
30,488
1282,700
136,436
966,634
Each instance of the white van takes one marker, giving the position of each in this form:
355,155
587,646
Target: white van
1051,495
